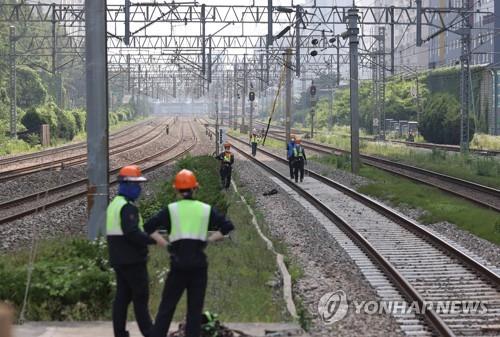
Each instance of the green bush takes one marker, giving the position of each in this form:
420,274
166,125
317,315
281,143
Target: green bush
440,122
33,139
35,117
70,280
66,124
80,119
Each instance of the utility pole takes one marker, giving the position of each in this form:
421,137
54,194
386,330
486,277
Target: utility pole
128,73
243,127
97,120
353,32
270,37
12,75
330,89
288,93
465,32
381,80
230,96
217,123
235,94
56,75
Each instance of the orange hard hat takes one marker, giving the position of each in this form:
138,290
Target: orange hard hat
227,144
131,173
185,180
298,140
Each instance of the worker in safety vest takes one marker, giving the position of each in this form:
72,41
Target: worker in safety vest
299,159
254,139
128,252
289,154
187,223
226,167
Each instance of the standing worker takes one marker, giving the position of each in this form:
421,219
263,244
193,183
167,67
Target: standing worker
167,129
289,154
226,166
299,159
187,222
128,253
254,140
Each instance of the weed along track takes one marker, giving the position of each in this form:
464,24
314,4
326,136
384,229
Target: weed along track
430,146
482,195
404,261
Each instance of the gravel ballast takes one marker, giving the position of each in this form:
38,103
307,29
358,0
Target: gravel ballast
326,267
70,219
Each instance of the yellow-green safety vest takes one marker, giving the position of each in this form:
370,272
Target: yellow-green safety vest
298,151
254,139
227,157
113,218
189,220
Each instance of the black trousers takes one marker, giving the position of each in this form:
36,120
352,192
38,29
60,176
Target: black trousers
290,165
254,149
195,282
298,166
132,285
225,175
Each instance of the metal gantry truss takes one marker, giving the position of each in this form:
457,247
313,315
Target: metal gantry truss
133,39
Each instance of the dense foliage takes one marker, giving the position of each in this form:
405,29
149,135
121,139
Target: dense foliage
71,280
440,122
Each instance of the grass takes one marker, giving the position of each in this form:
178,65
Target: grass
238,268
479,169
438,206
483,141
18,146
72,279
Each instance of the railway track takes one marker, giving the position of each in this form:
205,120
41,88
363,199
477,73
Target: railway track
81,158
482,195
30,204
429,146
69,147
401,258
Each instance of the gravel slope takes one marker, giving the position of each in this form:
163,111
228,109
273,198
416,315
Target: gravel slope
326,267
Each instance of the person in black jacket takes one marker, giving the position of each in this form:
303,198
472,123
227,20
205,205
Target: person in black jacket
187,222
128,252
226,166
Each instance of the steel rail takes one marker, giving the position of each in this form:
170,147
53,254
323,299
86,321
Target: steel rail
43,153
398,279
445,147
378,162
81,182
77,159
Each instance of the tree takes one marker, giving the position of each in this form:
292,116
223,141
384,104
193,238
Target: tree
30,89
440,122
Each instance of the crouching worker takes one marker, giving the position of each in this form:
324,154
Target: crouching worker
128,252
187,222
226,166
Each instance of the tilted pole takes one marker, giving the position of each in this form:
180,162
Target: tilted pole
97,115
